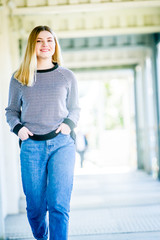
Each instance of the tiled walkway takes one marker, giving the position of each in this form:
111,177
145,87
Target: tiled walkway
107,207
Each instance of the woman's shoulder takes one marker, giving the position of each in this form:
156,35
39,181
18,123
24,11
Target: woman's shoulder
67,73
14,81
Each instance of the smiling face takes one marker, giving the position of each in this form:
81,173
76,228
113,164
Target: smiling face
45,45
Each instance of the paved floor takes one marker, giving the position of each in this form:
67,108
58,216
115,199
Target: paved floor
106,207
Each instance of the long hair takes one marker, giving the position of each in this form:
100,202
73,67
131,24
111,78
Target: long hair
26,72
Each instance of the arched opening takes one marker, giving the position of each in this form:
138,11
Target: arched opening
108,120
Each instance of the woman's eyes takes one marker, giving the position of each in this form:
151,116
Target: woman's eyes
47,41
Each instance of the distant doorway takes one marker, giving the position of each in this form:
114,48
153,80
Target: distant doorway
108,121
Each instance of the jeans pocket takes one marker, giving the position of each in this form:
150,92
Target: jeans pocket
20,141
25,140
63,134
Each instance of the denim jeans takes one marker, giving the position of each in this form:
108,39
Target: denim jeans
47,169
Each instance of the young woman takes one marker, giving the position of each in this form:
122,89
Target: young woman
43,111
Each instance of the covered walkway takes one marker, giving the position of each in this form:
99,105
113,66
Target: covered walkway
121,206
113,47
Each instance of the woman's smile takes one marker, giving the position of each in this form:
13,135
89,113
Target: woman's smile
45,50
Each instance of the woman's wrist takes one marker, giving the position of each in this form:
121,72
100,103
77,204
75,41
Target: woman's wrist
70,123
17,128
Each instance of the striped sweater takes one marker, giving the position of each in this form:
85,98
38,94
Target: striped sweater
51,100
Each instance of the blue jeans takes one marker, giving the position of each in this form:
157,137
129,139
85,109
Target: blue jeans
47,169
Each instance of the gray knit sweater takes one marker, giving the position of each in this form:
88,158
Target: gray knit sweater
52,99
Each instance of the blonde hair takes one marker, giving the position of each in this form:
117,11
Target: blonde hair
26,72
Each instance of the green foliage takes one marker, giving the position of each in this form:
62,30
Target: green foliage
113,107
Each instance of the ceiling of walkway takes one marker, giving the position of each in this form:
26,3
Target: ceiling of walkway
110,32
76,18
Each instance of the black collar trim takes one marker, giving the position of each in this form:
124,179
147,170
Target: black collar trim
48,70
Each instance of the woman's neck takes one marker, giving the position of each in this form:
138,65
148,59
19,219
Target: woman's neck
44,64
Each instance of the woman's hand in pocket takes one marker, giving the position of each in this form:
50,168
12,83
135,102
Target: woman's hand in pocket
64,129
24,133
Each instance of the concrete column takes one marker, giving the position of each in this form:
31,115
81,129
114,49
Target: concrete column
140,116
150,114
9,190
3,196
2,183
158,100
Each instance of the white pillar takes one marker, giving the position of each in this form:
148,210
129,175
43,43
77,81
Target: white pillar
2,183
142,140
3,197
150,114
9,188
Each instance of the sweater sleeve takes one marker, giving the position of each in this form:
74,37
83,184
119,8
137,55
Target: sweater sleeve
13,110
72,101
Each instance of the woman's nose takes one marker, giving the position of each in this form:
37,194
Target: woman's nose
45,43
